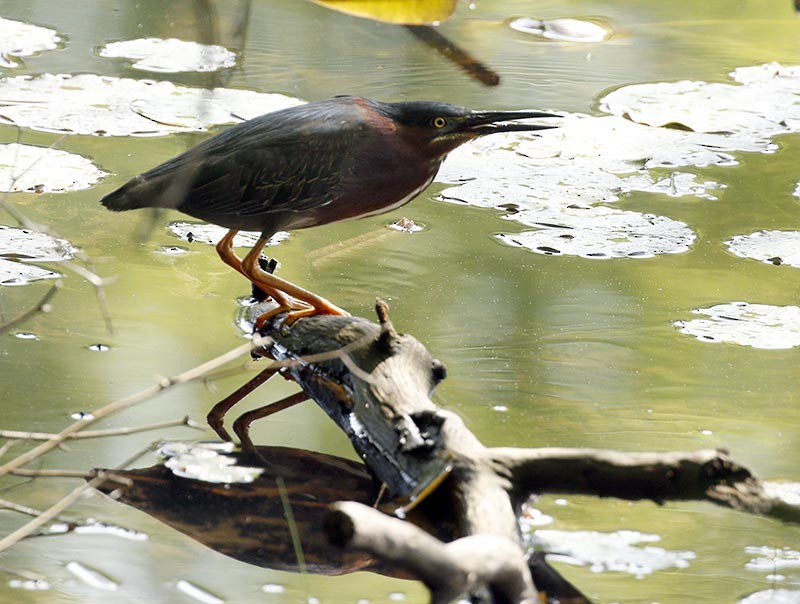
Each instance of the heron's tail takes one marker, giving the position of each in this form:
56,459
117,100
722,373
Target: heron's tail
128,197
149,190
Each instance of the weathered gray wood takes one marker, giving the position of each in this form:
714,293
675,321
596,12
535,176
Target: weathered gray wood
448,570
709,474
356,369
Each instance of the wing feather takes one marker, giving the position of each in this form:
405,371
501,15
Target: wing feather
260,174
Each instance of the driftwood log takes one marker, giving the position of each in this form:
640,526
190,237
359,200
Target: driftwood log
449,506
375,383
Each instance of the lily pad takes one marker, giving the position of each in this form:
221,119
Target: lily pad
552,181
585,161
764,103
616,551
772,247
755,325
563,29
44,170
20,39
773,596
27,245
599,232
18,246
109,106
210,234
170,55
19,273
771,559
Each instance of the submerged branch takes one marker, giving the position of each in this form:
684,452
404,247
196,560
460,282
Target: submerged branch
183,421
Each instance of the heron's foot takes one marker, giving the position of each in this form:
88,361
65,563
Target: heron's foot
297,309
319,306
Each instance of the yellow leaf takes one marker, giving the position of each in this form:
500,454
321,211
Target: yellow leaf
405,12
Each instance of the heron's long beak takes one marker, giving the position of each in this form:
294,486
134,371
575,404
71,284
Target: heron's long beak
489,122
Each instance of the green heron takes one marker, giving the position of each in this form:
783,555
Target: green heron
338,159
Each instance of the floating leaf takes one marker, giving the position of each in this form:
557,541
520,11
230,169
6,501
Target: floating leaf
18,245
550,182
43,170
19,273
210,234
772,247
599,232
586,160
109,106
772,559
20,39
756,325
24,244
406,12
170,55
773,596
765,103
615,551
562,30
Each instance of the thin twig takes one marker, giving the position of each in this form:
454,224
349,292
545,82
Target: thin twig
62,504
7,446
183,421
52,473
41,306
129,401
329,355
16,507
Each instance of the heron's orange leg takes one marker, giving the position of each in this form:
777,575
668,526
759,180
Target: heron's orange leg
226,252
242,425
270,283
228,255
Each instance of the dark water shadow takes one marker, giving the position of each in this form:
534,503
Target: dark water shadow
247,521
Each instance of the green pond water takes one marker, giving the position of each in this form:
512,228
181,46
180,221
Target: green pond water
540,350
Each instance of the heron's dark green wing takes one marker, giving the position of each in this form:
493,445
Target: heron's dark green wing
263,183
279,165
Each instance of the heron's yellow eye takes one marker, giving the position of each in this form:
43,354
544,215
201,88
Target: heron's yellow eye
439,122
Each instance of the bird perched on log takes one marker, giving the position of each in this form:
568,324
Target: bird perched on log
338,159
